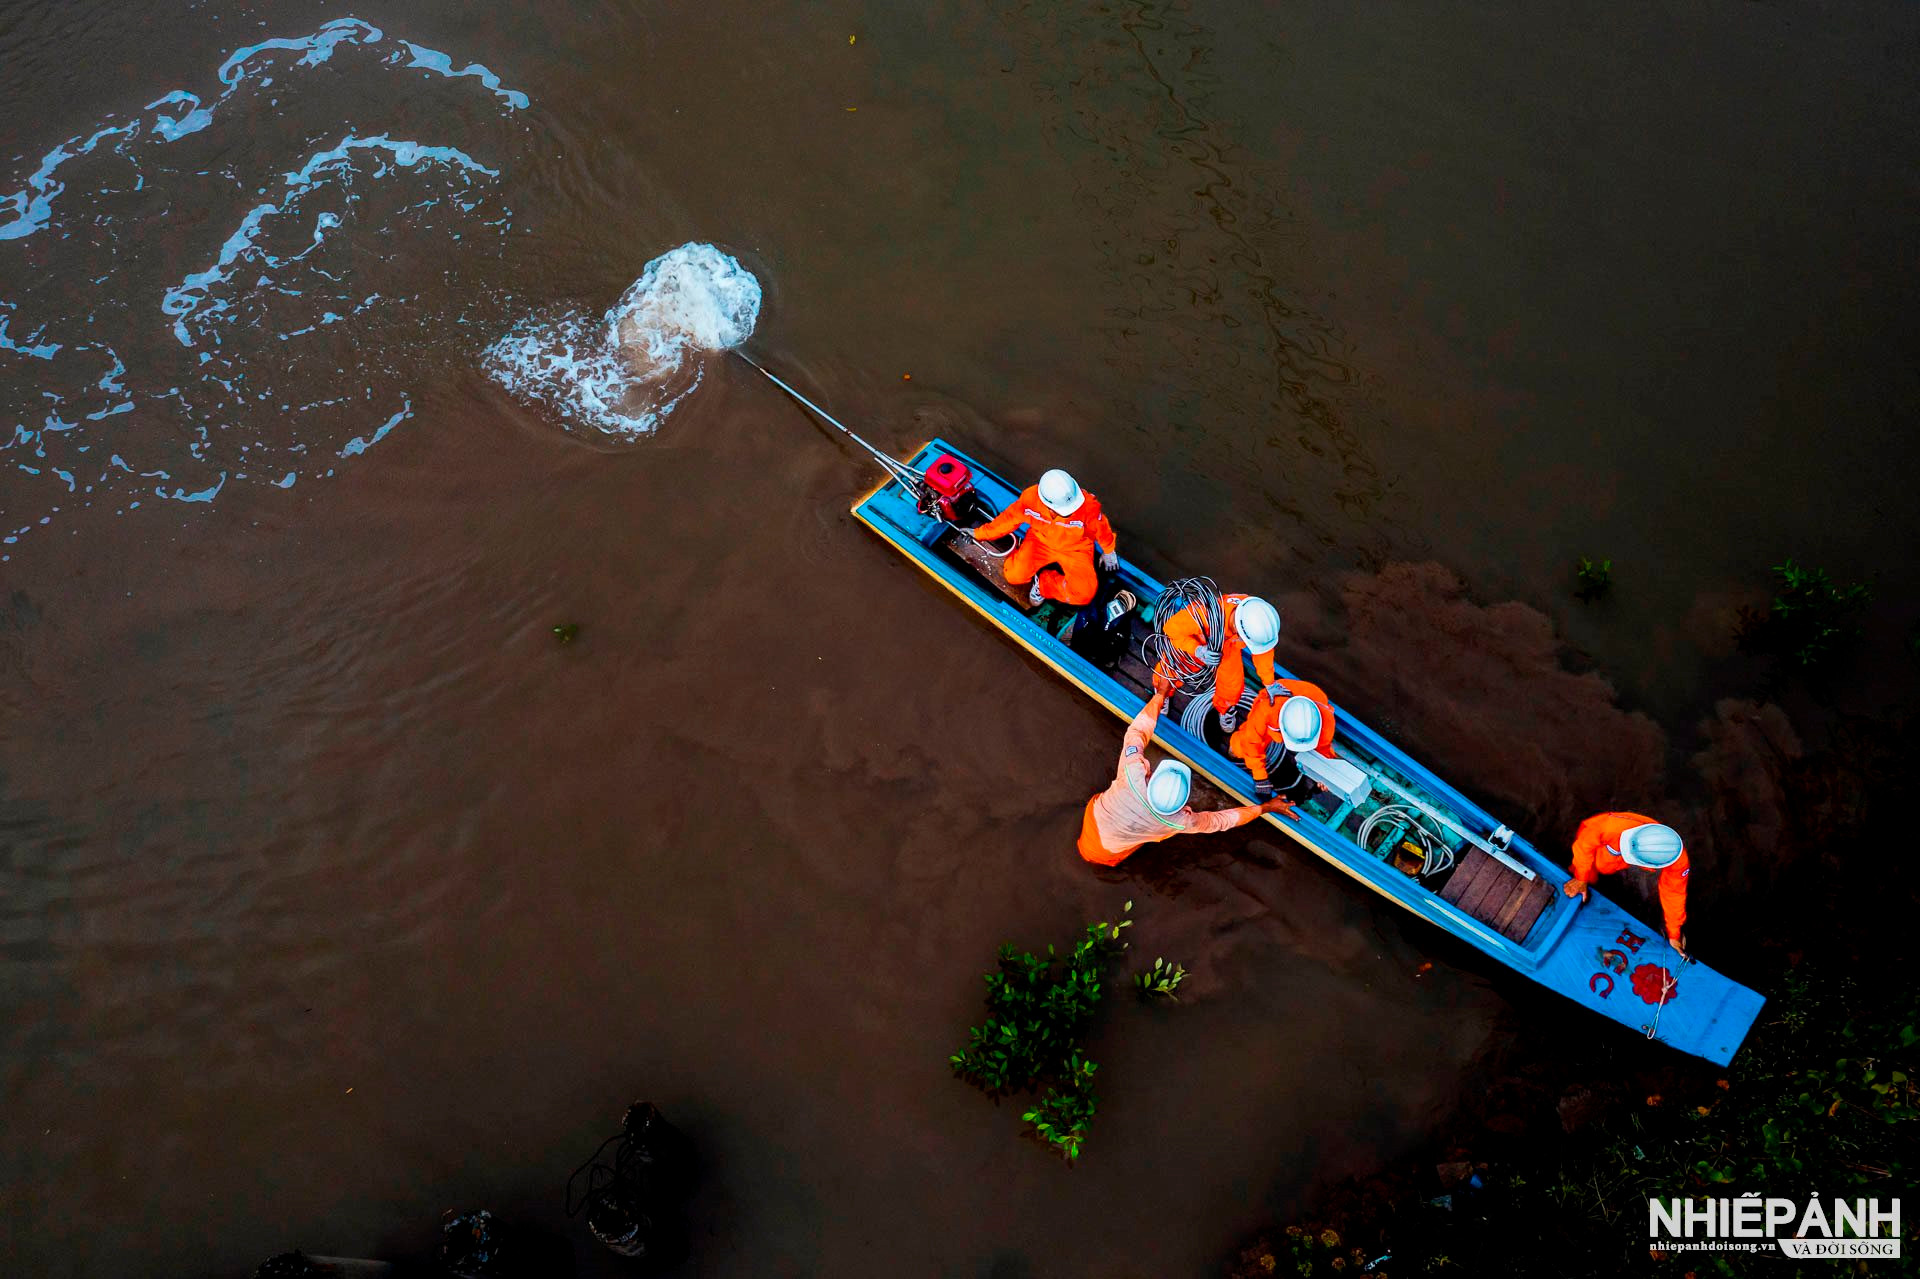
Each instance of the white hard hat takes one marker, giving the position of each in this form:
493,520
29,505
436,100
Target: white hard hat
1061,492
1650,847
1168,788
1257,624
1299,723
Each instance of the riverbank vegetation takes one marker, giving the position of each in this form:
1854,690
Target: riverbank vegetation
1567,1132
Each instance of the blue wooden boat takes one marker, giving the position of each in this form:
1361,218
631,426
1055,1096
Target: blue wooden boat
1487,885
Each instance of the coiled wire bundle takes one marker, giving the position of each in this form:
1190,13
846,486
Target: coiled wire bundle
1435,854
1199,594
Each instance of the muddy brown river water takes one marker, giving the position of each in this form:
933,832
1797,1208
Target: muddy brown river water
334,892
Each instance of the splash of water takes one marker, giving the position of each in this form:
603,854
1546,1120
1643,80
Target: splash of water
622,375
289,348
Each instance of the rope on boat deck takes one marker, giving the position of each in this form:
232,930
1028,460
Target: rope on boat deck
1667,987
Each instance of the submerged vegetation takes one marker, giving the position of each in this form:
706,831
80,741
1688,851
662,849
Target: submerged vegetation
1160,980
1811,621
1038,1010
1591,579
1306,1253
1822,1100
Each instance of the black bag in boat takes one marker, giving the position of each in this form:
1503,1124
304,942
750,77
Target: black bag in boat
1100,633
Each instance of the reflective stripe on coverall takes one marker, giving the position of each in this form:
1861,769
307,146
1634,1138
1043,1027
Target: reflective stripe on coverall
1596,852
1118,820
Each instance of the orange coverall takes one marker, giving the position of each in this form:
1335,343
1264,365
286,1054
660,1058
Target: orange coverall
1186,631
1069,541
1596,852
1249,741
1118,820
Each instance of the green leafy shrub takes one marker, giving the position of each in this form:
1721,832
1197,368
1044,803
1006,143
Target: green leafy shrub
1065,1111
1161,979
1592,580
1037,1012
1810,621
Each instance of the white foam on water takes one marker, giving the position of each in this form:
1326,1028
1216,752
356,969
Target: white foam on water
305,310
622,375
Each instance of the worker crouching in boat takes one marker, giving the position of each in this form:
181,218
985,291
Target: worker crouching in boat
1612,842
1251,625
1066,529
1292,712
1143,807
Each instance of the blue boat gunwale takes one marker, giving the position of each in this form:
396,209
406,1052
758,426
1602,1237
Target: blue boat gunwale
1202,757
1576,949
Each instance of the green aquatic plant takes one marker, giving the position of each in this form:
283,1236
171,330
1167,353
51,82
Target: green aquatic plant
566,632
1811,620
1161,979
1038,1010
1592,580
1065,1111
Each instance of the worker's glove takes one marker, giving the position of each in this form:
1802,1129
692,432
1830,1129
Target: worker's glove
1230,718
1207,656
1109,561
1263,789
1274,692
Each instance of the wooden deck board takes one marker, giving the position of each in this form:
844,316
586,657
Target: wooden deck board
1495,896
1470,882
1515,900
1489,893
1531,910
984,564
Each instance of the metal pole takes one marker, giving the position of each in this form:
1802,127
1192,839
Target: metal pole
898,470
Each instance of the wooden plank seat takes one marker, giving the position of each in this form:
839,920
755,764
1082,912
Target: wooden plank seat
1494,895
985,564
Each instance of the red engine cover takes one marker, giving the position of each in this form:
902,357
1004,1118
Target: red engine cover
950,477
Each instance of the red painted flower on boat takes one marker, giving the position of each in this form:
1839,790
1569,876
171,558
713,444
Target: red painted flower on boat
1650,980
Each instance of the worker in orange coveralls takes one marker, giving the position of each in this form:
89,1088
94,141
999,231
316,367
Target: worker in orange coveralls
1612,842
1252,625
1065,529
1290,711
1144,808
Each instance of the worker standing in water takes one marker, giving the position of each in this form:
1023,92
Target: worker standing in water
1292,712
1142,807
1611,842
1066,529
1251,625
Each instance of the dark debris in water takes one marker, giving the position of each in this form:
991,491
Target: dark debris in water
566,632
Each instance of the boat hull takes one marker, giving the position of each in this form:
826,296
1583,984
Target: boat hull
1596,954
